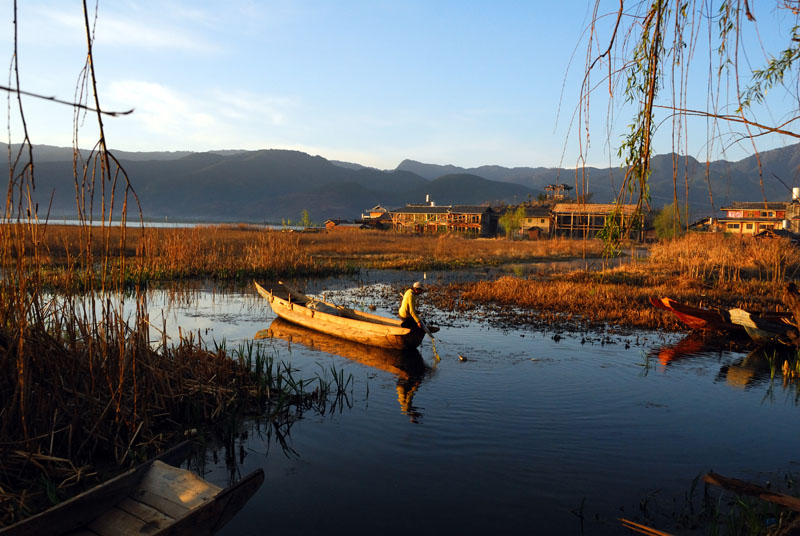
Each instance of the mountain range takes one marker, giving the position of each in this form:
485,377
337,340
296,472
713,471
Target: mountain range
273,185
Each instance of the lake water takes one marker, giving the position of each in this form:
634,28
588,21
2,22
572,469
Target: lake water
533,433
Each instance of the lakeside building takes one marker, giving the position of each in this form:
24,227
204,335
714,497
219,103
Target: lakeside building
750,218
557,192
377,217
537,222
431,218
578,220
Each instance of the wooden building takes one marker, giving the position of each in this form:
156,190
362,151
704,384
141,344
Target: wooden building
557,192
376,218
537,222
339,224
585,220
430,218
750,218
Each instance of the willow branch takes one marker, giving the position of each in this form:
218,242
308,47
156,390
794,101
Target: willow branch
737,119
59,101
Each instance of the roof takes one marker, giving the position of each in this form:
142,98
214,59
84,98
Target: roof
377,208
592,208
772,233
756,205
537,212
443,209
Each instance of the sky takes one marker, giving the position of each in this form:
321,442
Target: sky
375,82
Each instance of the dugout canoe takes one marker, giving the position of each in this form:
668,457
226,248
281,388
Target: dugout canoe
342,322
154,498
765,330
696,317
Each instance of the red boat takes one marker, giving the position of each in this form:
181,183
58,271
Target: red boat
697,317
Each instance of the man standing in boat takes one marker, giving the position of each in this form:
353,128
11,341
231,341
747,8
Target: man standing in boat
408,309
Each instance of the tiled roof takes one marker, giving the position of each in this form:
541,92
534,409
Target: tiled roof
442,209
756,205
592,208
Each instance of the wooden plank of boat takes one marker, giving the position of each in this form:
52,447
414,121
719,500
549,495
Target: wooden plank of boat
153,498
740,487
343,322
765,331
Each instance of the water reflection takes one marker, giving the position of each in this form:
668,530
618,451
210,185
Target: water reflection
690,346
407,365
756,368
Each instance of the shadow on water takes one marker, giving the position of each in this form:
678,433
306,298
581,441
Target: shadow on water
406,365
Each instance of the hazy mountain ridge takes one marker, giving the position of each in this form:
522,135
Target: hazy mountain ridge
271,184
730,181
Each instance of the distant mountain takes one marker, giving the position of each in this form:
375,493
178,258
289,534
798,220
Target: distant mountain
730,181
270,185
264,186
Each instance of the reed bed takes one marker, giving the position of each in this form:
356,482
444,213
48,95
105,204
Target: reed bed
241,252
703,270
103,395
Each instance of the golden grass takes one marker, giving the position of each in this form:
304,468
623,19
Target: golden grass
236,252
701,270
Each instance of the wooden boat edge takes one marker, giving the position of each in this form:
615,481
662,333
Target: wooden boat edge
209,518
76,511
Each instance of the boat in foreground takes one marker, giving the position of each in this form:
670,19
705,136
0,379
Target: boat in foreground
154,498
343,322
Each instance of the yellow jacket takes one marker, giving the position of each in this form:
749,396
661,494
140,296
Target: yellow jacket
409,306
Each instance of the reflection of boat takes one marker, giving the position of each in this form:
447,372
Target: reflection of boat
357,326
407,365
152,498
697,317
691,345
754,368
765,330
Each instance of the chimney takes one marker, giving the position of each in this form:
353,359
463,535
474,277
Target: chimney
795,195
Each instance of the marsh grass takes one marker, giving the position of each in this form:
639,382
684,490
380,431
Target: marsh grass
242,253
702,270
85,393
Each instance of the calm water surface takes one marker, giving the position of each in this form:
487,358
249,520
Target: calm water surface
527,435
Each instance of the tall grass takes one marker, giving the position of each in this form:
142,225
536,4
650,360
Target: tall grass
228,252
723,258
704,270
81,384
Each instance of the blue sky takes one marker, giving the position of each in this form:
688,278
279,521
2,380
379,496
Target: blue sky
448,82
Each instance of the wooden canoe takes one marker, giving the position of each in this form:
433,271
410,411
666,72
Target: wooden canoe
697,317
766,331
342,322
154,498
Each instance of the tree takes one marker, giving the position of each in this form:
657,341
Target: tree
305,221
511,220
652,45
666,224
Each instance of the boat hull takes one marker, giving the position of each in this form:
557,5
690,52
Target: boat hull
153,498
349,324
765,331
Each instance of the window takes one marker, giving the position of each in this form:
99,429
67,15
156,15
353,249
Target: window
764,214
733,226
749,226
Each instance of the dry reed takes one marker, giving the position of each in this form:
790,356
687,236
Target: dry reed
702,270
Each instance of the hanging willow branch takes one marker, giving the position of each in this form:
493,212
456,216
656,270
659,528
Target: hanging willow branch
59,101
635,62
